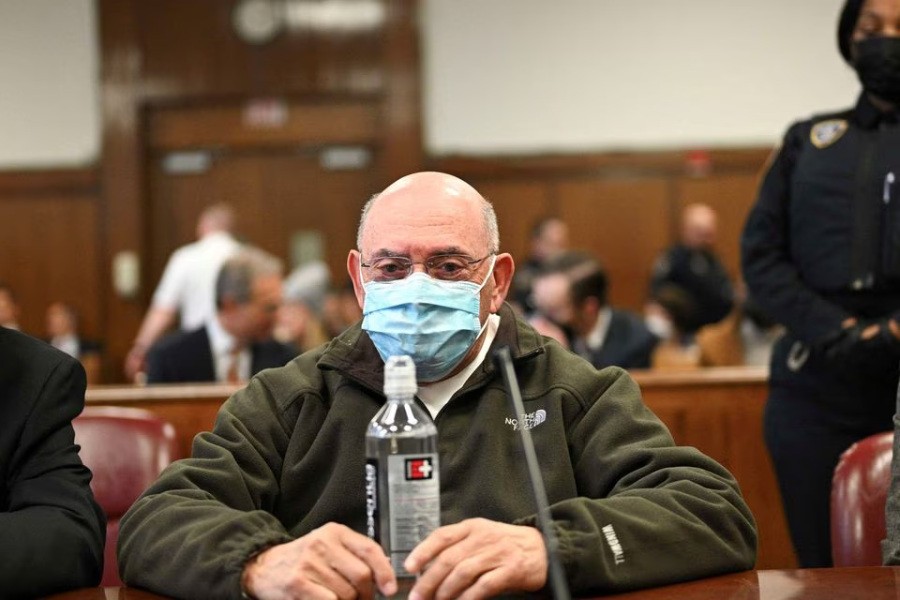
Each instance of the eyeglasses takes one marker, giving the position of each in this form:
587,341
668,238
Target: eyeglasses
448,267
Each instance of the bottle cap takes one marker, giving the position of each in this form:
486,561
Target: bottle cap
400,376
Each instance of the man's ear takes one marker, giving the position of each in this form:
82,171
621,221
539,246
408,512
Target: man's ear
504,268
353,260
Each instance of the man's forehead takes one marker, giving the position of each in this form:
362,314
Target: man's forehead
408,219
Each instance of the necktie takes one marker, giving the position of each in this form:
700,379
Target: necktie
232,375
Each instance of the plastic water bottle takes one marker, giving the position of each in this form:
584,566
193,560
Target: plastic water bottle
403,503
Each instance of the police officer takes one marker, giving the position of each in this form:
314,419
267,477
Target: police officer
821,254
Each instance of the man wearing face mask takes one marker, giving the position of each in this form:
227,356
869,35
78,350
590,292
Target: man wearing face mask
821,256
272,503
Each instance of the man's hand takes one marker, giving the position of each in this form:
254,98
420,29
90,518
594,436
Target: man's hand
331,562
478,558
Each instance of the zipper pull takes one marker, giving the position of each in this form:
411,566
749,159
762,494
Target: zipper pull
888,181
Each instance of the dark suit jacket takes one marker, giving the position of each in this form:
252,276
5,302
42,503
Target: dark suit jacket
187,357
628,344
51,530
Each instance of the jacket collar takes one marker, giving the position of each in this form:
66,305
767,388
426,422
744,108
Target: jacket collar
353,354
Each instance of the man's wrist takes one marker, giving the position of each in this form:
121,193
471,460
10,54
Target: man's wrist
249,566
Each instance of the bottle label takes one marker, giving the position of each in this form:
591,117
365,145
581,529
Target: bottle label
372,499
415,503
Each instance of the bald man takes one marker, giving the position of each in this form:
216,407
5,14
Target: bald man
693,267
272,503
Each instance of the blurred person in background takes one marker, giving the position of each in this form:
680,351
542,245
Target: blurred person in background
677,349
299,319
549,238
821,255
571,293
693,266
746,337
237,342
63,334
9,307
186,291
340,309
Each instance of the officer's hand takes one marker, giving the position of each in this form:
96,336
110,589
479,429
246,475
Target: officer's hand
478,558
331,562
843,346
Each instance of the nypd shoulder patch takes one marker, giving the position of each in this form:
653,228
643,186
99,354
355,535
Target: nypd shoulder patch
825,133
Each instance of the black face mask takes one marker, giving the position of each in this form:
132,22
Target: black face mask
878,67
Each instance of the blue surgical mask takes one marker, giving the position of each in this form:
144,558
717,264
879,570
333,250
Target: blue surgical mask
433,321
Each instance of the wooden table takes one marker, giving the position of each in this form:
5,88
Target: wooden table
860,583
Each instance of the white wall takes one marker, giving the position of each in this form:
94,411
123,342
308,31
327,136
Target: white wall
49,84
517,76
503,76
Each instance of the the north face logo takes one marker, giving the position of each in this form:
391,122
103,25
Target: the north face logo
528,420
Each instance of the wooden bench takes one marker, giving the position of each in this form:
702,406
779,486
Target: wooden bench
718,411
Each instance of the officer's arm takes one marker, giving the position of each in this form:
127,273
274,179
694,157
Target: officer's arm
770,274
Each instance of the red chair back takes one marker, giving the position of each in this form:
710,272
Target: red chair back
858,495
125,449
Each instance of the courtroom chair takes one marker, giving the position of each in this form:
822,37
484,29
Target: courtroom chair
125,449
858,495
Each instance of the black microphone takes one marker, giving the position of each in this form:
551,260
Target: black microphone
558,584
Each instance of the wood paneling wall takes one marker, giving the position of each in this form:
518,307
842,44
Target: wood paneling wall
176,76
624,208
50,240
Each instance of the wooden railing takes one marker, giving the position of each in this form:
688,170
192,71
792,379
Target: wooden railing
718,411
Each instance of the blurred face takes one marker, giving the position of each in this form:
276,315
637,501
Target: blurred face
59,321
9,311
550,294
554,240
699,227
878,18
253,321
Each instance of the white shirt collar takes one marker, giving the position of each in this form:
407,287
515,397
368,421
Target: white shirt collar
66,343
436,395
595,338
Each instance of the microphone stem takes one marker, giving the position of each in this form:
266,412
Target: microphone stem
555,572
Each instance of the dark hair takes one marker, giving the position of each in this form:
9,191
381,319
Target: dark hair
846,24
680,305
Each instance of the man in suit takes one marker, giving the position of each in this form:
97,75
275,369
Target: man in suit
236,343
51,529
571,293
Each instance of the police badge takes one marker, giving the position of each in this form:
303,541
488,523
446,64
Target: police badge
826,133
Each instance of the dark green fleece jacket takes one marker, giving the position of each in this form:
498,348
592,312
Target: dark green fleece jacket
287,455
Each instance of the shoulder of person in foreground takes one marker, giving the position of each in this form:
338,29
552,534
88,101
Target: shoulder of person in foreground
648,512
53,530
191,533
